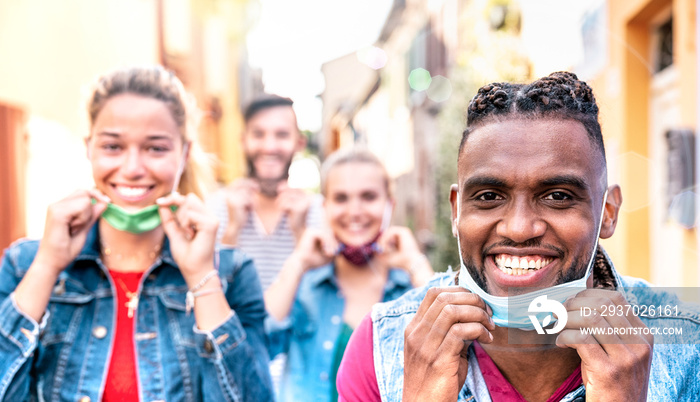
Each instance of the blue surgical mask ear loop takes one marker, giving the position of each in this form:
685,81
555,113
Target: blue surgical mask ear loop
518,317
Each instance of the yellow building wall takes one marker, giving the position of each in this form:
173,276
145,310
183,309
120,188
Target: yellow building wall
52,51
622,89
214,60
230,153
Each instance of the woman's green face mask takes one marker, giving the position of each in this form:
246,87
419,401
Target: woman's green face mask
143,220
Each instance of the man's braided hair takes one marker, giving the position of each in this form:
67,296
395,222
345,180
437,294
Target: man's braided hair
559,95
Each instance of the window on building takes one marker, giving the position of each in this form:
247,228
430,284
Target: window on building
664,45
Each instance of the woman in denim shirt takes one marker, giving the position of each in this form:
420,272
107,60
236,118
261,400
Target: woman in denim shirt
112,304
334,276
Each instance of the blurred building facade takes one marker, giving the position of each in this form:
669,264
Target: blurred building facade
640,56
648,90
53,51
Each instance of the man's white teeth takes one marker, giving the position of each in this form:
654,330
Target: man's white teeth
512,265
132,191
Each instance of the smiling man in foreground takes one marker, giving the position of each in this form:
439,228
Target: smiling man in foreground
531,203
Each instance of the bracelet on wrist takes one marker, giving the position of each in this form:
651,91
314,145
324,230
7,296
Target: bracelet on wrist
194,291
201,293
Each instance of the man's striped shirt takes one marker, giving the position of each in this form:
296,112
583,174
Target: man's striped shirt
268,251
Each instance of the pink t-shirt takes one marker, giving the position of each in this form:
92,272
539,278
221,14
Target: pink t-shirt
357,380
501,390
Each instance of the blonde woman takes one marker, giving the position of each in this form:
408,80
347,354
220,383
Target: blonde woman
125,296
334,276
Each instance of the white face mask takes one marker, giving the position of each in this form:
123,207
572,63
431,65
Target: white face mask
518,317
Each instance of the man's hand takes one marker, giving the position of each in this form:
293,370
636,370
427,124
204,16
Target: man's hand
240,196
614,367
436,342
295,204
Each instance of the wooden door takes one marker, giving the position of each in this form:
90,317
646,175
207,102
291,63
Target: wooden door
13,152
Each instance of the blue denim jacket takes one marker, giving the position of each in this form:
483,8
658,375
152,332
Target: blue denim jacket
675,368
309,334
66,356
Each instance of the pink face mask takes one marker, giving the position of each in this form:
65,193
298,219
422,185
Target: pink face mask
361,255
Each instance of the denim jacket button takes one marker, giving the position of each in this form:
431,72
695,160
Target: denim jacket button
98,332
85,399
208,347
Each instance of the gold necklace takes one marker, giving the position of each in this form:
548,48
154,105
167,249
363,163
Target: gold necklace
133,297
133,302
108,252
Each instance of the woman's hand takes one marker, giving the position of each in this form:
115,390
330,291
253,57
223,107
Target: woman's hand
191,230
68,222
399,249
315,248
